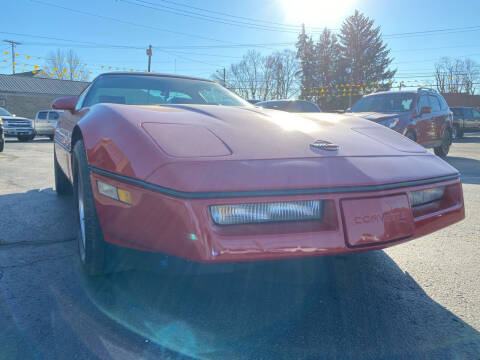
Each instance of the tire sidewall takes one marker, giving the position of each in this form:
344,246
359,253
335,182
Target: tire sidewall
94,260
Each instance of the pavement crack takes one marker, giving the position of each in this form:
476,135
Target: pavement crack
33,243
29,263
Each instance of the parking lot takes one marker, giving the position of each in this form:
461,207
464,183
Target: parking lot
413,301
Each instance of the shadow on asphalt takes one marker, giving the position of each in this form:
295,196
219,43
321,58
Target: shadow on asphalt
473,138
369,309
469,168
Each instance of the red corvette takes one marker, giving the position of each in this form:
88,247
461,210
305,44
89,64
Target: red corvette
182,167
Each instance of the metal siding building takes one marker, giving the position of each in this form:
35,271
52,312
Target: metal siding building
25,95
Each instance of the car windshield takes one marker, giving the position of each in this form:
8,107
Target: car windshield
385,103
159,90
4,112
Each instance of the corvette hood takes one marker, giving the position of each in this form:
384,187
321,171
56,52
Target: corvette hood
214,148
249,133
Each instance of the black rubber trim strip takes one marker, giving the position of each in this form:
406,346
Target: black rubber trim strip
231,194
62,145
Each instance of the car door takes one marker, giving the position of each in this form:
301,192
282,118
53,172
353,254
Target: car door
475,120
468,121
439,118
63,134
424,128
52,119
40,120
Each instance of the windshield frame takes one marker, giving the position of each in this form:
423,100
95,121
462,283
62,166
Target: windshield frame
84,99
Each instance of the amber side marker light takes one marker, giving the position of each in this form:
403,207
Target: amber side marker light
114,192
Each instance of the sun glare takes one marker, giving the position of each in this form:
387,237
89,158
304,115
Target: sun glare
316,12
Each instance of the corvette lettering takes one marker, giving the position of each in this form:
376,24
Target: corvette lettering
379,218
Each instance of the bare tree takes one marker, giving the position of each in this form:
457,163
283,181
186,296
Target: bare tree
456,75
65,64
263,77
286,67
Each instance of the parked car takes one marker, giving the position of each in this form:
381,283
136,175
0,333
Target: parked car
15,126
421,115
45,122
465,119
253,101
183,168
294,106
2,136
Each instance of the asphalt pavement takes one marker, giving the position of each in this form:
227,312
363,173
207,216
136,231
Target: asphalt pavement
419,300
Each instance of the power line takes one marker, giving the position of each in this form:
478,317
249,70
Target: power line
128,22
233,16
194,15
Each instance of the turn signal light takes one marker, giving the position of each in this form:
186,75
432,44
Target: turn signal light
114,193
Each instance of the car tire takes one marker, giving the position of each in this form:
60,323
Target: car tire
51,137
455,132
2,144
411,136
62,184
460,134
443,149
91,245
23,138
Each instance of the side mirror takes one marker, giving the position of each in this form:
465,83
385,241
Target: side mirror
65,103
425,110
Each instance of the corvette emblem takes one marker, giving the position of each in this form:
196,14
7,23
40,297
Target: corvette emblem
324,145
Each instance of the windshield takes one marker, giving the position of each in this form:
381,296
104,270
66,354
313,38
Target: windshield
159,90
385,103
4,112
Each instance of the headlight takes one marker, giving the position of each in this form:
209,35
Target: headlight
390,123
425,196
235,214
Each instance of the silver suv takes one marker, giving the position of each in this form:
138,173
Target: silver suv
45,122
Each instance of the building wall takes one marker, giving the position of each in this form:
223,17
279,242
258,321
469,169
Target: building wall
25,105
462,100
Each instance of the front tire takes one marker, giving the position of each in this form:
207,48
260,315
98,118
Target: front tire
91,245
444,148
2,144
62,184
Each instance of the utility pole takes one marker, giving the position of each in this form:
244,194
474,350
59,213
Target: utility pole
13,43
224,77
149,53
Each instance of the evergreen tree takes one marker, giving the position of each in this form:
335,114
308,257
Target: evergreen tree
305,53
364,56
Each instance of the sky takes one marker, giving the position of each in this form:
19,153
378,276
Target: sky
199,37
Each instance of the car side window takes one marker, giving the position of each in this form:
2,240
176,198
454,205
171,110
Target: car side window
467,114
308,107
422,102
42,115
443,103
434,103
53,115
476,114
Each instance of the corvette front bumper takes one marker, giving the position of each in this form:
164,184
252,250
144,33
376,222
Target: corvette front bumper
353,221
